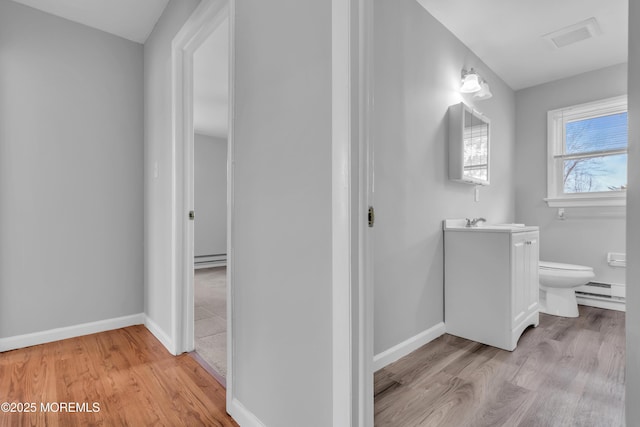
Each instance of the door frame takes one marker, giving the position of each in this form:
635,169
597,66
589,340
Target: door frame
205,19
352,193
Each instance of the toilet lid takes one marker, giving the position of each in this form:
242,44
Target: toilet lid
546,265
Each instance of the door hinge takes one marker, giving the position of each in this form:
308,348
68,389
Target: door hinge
192,215
372,216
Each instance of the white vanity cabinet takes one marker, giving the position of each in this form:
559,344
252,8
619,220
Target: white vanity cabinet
491,283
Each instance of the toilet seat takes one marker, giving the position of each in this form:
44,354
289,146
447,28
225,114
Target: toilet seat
547,265
558,275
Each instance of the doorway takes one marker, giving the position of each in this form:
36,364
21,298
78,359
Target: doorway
200,114
210,125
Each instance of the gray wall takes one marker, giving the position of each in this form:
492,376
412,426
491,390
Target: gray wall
633,227
157,150
71,189
417,77
210,164
584,237
281,237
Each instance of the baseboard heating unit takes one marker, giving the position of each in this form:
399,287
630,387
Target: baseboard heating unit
602,295
207,261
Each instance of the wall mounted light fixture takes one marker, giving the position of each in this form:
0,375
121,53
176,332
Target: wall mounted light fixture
470,81
473,83
484,92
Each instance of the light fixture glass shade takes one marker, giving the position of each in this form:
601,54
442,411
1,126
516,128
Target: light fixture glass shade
470,83
484,92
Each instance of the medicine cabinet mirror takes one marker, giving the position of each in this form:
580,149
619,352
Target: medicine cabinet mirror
468,145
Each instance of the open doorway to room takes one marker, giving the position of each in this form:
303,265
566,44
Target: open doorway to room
210,124
588,236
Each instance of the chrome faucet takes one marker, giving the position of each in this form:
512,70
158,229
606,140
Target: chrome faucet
474,222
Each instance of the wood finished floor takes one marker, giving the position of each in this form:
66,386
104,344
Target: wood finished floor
132,377
565,372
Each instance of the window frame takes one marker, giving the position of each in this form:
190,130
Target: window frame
556,125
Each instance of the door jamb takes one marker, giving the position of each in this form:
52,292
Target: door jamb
352,193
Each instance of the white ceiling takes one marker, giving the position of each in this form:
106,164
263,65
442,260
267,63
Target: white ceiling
131,19
211,84
507,35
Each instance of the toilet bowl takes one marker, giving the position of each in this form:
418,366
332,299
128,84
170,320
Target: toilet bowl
557,287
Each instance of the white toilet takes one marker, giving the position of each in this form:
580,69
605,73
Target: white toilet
557,287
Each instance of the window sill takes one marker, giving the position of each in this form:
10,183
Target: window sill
587,201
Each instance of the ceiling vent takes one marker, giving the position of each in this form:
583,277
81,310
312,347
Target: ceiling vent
574,33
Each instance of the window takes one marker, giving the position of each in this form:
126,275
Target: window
587,154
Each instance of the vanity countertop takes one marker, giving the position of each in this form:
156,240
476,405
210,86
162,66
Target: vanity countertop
460,225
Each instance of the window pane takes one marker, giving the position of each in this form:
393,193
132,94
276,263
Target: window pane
479,173
606,173
599,133
476,146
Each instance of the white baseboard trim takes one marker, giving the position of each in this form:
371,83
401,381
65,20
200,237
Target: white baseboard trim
157,332
242,415
400,350
57,334
609,304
